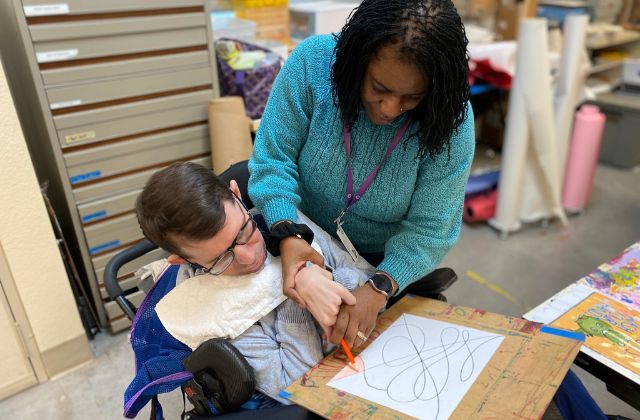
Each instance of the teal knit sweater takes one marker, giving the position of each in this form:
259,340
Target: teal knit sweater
413,209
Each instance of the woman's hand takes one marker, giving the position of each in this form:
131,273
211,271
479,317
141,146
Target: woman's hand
359,317
322,295
295,252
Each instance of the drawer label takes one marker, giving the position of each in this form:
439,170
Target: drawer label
103,247
66,104
73,138
46,9
94,216
85,177
47,56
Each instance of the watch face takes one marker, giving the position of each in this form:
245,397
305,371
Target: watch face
382,283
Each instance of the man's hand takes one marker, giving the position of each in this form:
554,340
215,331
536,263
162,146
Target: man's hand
322,295
359,317
295,252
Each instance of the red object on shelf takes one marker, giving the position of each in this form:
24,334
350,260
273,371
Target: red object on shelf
480,207
482,71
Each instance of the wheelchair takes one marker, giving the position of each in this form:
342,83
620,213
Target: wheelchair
217,379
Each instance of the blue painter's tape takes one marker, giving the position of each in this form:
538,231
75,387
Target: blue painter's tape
104,247
94,216
284,394
562,333
85,177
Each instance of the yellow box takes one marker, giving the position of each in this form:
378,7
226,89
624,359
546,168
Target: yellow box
272,22
259,3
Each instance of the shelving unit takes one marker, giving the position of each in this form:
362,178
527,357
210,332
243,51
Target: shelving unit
108,92
605,65
608,71
615,39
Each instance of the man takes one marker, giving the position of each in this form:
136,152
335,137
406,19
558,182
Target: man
229,286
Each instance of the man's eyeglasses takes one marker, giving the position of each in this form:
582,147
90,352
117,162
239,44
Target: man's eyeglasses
244,236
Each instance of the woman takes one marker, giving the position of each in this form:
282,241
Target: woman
389,91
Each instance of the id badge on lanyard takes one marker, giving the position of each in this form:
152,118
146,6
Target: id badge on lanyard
342,235
351,198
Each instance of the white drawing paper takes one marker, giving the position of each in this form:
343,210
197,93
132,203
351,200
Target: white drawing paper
419,366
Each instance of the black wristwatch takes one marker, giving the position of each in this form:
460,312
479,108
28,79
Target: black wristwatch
284,230
381,284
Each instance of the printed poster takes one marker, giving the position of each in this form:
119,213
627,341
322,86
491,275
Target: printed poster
611,329
619,278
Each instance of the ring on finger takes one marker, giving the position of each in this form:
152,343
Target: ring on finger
362,336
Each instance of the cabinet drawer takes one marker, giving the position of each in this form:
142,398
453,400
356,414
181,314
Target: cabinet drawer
112,233
127,283
120,68
143,84
101,209
128,269
114,311
131,266
121,324
101,29
115,158
104,189
108,37
131,118
73,7
100,262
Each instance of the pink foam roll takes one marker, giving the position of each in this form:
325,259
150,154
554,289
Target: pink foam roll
582,158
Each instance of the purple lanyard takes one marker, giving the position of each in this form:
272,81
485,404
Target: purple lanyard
351,199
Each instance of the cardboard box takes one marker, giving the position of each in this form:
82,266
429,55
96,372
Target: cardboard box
630,16
509,14
272,19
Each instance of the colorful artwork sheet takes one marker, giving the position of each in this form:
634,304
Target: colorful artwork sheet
611,328
619,278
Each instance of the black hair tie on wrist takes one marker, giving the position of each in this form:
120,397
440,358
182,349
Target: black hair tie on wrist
285,230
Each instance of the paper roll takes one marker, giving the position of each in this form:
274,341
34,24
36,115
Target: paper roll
229,132
571,78
529,180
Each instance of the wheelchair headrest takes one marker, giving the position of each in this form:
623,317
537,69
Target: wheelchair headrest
223,372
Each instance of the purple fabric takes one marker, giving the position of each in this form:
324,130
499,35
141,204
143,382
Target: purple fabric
346,134
253,85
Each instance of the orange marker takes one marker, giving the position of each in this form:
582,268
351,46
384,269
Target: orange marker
347,351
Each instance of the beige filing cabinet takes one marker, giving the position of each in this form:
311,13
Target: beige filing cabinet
108,92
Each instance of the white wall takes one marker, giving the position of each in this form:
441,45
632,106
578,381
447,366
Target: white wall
28,241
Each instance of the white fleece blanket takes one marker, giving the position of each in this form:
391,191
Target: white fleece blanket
206,306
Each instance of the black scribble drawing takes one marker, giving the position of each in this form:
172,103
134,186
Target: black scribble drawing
422,368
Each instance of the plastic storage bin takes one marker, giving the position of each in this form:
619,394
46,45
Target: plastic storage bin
631,73
620,142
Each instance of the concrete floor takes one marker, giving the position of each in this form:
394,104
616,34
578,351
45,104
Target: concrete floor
530,266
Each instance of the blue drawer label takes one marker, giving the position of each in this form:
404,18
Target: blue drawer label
104,247
94,216
85,177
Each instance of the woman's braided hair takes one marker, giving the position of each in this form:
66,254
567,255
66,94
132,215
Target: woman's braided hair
428,34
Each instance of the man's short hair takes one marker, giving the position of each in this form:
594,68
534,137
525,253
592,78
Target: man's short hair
185,200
